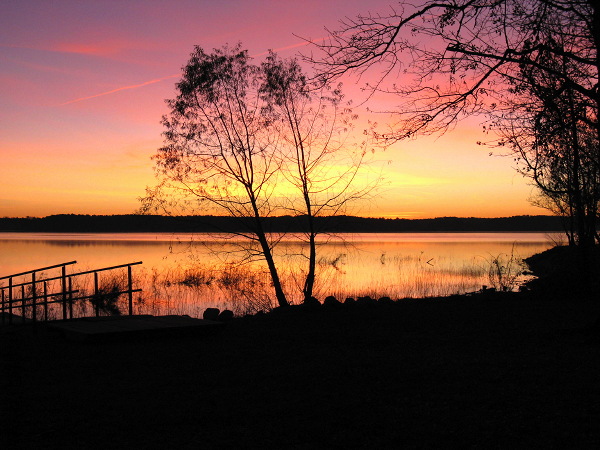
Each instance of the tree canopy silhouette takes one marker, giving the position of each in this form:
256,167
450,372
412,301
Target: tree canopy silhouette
321,160
253,141
530,67
218,151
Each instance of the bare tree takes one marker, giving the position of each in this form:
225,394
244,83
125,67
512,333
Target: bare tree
449,59
252,141
555,148
219,151
322,163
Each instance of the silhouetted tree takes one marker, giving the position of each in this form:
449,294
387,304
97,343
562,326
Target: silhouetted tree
253,141
218,148
555,147
321,163
447,59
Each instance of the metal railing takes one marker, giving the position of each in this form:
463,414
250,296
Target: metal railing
27,292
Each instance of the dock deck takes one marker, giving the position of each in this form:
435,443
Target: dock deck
92,329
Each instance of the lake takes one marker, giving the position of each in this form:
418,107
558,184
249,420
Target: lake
186,273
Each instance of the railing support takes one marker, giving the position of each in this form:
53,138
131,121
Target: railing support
70,297
10,298
45,301
32,296
64,290
23,303
130,289
96,292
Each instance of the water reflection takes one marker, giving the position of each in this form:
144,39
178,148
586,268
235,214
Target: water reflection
183,274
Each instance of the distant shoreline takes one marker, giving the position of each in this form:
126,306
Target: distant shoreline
70,223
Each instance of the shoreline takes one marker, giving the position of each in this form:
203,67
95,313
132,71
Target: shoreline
486,370
496,370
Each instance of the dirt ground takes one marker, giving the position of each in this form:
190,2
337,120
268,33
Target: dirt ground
485,371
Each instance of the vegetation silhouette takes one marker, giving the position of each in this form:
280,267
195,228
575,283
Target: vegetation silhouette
479,371
335,224
253,141
529,69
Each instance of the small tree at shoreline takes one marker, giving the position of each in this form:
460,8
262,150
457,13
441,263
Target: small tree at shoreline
253,141
219,153
315,125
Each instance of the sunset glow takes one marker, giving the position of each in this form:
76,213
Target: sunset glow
82,93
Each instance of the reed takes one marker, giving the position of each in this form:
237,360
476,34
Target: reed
191,286
246,289
506,271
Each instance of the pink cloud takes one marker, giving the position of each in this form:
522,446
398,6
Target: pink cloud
96,49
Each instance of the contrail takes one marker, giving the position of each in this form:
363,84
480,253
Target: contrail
146,83
124,88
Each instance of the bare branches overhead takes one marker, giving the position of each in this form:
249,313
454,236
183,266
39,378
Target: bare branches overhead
449,59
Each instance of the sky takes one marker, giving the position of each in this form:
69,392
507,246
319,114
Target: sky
83,86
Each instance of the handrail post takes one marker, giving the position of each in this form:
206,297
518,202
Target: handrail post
96,294
10,299
130,289
3,310
45,301
33,299
23,303
70,297
64,291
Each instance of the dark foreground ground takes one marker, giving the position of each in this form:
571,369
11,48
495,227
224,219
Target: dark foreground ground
500,371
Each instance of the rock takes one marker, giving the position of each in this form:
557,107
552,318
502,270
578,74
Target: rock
225,316
385,301
211,314
366,301
331,302
281,309
311,303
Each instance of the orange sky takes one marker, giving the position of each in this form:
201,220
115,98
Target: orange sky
82,89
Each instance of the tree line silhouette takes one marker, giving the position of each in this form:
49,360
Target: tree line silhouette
335,224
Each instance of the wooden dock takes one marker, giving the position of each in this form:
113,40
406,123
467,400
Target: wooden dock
97,329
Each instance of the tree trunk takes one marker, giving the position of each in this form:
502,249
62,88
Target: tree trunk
267,253
309,283
279,294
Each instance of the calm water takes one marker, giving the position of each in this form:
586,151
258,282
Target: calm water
185,273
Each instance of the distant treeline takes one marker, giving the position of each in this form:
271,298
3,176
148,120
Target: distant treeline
71,223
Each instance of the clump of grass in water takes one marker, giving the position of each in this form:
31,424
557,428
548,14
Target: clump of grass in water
505,271
106,299
196,277
245,290
249,290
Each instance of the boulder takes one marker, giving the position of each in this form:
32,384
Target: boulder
225,316
211,314
385,301
311,303
331,302
349,302
366,301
